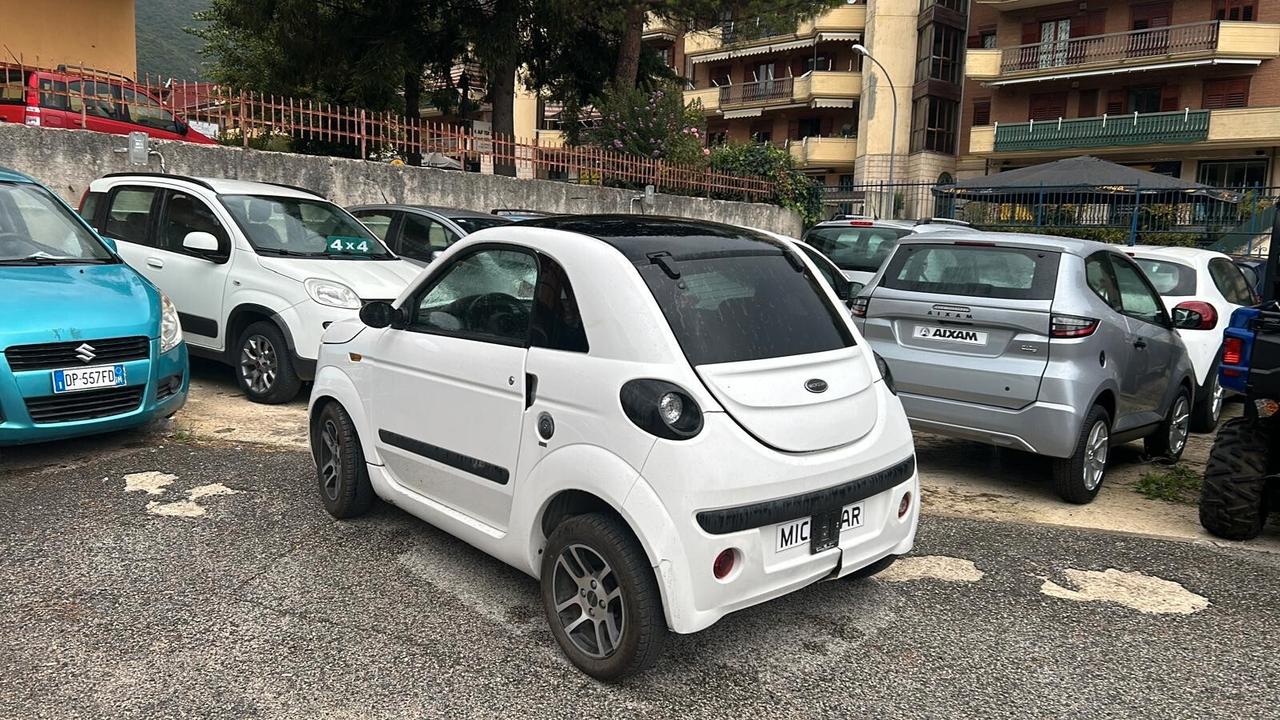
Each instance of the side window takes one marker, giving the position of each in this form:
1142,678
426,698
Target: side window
147,112
378,221
96,98
1098,275
129,214
1230,281
420,236
1137,299
53,94
185,214
557,324
487,295
89,208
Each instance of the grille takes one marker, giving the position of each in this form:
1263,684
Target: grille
86,405
65,354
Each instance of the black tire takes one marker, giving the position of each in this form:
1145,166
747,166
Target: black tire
341,474
1233,494
643,629
873,569
263,367
1069,474
1170,439
1208,408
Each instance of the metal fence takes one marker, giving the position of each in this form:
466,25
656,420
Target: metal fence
1234,220
84,98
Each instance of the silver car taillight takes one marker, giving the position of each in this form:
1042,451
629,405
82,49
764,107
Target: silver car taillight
858,306
1071,326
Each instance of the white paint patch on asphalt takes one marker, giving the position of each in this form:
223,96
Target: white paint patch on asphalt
181,508
151,482
1144,593
932,567
211,489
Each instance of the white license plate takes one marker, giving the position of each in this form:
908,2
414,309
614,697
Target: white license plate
88,378
963,336
796,532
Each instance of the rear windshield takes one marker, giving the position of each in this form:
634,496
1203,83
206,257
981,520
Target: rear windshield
857,249
745,307
473,223
1170,279
976,271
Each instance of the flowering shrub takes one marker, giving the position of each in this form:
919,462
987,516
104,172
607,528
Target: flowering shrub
793,189
656,125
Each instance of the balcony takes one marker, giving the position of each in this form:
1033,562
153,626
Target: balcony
823,152
824,88
1163,128
745,33
656,28
1194,43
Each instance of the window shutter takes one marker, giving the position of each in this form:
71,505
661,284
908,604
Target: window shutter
1115,102
1048,106
1088,104
1170,98
981,112
1228,93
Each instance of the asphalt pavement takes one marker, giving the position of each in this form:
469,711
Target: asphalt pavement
194,580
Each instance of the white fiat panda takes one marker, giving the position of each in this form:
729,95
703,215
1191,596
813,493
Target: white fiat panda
664,420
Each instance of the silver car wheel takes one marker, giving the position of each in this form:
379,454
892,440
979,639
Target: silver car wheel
589,601
1095,455
259,364
1180,425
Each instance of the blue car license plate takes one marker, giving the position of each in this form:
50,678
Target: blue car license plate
88,378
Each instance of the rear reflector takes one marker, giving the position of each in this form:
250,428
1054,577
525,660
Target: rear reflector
1070,326
1232,351
904,505
723,564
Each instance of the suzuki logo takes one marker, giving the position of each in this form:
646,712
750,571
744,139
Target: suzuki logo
815,385
85,353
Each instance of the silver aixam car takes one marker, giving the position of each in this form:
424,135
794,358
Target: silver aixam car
1050,345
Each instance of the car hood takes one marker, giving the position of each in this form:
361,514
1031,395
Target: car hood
370,279
60,303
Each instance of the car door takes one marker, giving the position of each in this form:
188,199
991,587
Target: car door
195,281
1117,338
126,217
149,116
97,106
448,392
1154,341
422,236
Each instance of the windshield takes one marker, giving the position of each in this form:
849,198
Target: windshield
1170,279
298,227
746,307
857,249
36,229
472,223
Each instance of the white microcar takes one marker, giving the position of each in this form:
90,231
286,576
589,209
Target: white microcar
664,420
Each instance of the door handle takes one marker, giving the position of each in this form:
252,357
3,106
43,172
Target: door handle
530,389
1140,344
155,262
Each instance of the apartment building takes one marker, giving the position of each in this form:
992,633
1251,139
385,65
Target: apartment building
804,87
1188,88
98,34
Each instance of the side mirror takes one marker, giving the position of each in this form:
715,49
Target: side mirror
380,315
1184,319
181,126
201,242
109,242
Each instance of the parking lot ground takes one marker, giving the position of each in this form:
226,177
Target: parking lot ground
180,578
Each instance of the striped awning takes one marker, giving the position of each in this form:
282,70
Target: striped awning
832,102
840,36
754,50
750,112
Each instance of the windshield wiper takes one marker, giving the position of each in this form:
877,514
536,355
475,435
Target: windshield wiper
286,253
47,260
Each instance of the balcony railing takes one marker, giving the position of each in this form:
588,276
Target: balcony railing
1111,48
754,93
748,29
1187,126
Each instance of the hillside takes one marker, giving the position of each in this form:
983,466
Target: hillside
163,48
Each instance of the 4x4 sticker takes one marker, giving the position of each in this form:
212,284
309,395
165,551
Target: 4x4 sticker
343,245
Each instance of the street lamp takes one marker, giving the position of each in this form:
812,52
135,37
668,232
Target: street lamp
893,130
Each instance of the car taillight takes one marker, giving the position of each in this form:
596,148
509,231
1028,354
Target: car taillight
861,223
1208,314
858,306
724,563
1233,351
1070,326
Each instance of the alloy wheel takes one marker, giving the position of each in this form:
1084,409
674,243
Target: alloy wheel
588,601
1180,425
330,460
259,364
1095,455
1219,397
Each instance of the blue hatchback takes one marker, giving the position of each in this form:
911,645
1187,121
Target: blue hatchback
87,345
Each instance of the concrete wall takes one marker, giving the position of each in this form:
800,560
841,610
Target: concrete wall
68,160
94,33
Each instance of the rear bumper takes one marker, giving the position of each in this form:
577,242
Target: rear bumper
1041,428
17,428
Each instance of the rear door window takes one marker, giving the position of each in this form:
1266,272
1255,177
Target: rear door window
856,249
53,94
378,222
1230,281
13,86
1137,299
1170,279
974,271
128,215
745,307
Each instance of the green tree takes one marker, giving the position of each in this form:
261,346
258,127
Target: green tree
655,125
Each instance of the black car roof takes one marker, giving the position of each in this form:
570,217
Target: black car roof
444,211
638,237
